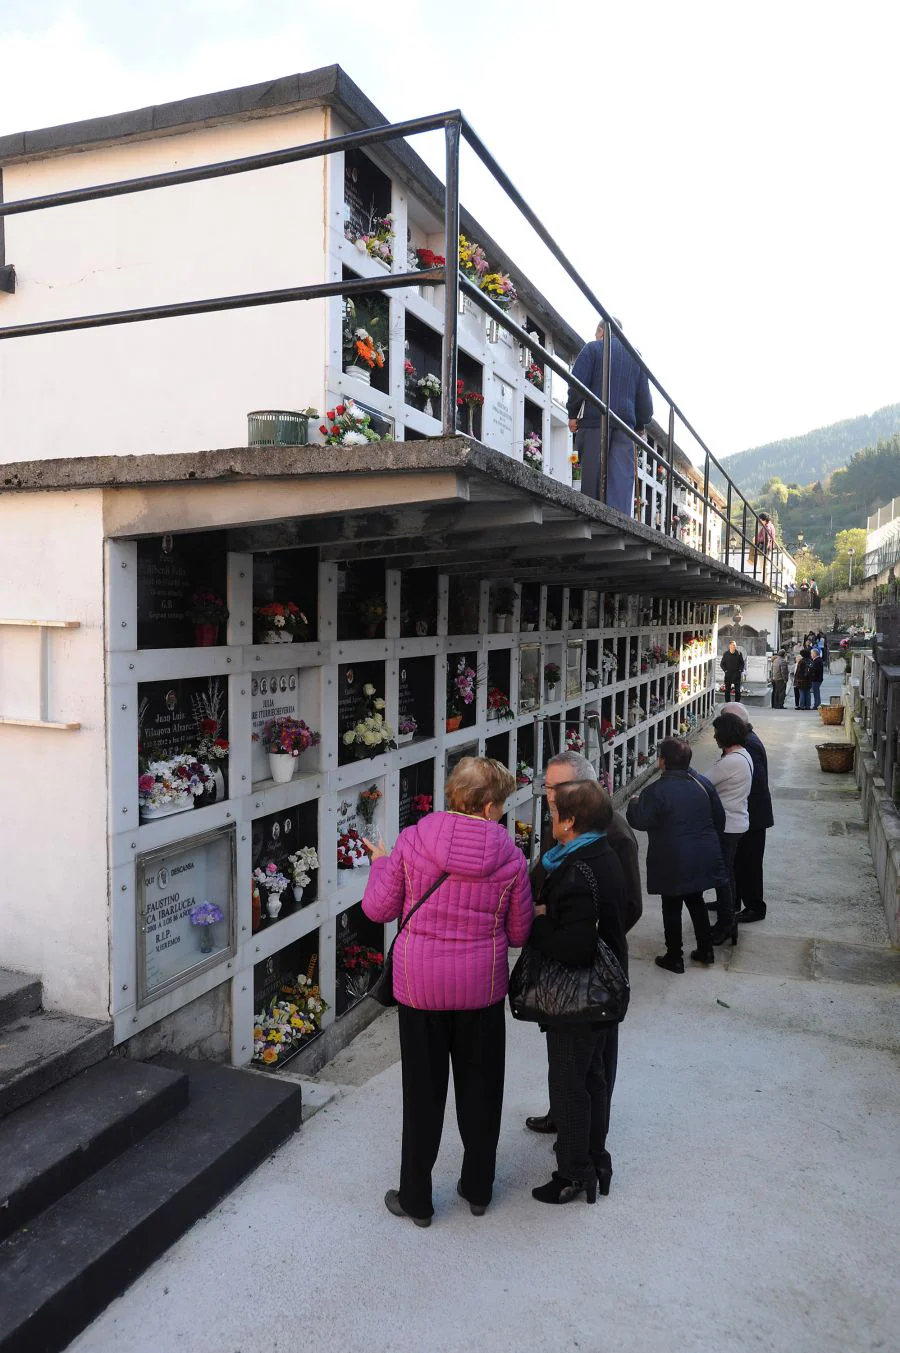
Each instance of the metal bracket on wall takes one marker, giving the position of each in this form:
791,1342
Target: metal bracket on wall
8,278
44,626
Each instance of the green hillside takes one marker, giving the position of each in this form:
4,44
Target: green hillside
812,457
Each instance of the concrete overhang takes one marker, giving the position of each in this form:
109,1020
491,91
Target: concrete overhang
445,503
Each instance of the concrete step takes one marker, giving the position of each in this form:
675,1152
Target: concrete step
20,994
51,1145
73,1259
42,1050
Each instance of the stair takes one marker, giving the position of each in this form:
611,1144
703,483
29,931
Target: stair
105,1162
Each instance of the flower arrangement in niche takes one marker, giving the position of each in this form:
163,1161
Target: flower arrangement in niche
461,686
378,241
524,834
172,785
533,454
361,337
607,730
275,884
592,678
206,608
410,375
370,734
427,258
211,747
351,852
524,773
552,675
289,1021
620,723
422,805
500,288
288,736
576,467
208,710
574,740
359,963
300,868
609,663
498,706
469,400
348,425
204,916
535,375
430,386
367,803
407,725
281,622
473,261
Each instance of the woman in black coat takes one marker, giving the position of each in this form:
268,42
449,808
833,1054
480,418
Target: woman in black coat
582,896
684,817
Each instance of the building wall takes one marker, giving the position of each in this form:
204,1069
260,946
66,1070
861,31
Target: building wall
178,384
54,912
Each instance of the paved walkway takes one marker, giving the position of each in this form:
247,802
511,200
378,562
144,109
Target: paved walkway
754,1204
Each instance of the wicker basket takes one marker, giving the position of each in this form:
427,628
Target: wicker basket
831,714
835,756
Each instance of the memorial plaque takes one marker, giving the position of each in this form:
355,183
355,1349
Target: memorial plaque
416,694
281,970
497,420
453,758
573,670
171,883
529,677
273,695
352,677
355,929
359,201
175,716
170,569
414,780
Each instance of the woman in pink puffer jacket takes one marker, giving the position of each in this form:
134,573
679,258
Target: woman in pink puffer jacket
451,974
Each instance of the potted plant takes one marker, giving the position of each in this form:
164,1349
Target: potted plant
274,883
552,676
204,916
171,786
208,613
286,739
498,706
300,867
461,686
406,729
370,734
504,606
430,387
281,622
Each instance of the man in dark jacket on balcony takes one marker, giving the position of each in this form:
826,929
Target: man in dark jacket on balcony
732,665
629,397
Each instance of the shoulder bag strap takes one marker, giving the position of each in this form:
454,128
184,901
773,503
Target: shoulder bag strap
592,881
424,898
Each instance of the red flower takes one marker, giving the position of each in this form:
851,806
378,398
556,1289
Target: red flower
341,410
323,429
329,414
208,726
335,430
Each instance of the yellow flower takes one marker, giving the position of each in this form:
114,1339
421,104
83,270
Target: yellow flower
257,1032
269,1056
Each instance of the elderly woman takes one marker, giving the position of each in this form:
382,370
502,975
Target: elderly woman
684,819
582,896
451,974
732,776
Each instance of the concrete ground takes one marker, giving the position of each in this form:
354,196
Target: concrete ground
754,1204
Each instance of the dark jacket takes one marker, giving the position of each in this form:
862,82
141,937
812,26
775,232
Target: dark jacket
759,800
629,389
569,930
816,666
623,841
801,673
732,664
684,817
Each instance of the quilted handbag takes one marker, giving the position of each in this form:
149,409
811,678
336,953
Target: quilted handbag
545,991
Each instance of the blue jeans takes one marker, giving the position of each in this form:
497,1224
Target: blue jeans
816,688
804,699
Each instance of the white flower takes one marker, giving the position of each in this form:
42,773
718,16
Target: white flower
357,414
368,689
349,737
378,720
354,439
360,333
279,622
379,704
388,732
361,244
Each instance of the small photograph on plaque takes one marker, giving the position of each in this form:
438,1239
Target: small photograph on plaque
185,910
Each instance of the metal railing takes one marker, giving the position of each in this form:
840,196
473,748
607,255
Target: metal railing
739,520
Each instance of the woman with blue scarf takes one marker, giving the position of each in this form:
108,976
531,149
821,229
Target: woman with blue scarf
583,895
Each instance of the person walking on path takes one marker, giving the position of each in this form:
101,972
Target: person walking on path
732,776
684,819
629,398
582,898
749,897
451,975
732,664
563,769
779,679
816,677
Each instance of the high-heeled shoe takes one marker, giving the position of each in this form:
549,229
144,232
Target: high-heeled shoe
604,1179
706,956
562,1190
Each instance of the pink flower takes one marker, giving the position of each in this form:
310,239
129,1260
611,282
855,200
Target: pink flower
146,783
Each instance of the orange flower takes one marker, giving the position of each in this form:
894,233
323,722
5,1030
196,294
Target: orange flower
269,1056
573,458
365,350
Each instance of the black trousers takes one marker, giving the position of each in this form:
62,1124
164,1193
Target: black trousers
732,683
748,871
778,690
579,1101
474,1041
671,914
610,1064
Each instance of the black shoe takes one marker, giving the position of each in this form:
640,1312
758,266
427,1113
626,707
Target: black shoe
671,962
477,1209
393,1204
543,1123
719,934
748,914
706,956
562,1190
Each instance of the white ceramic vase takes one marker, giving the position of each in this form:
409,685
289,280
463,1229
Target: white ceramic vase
282,766
359,373
273,905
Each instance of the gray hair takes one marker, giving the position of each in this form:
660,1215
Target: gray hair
578,764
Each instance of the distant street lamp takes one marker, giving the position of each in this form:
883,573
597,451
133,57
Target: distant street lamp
851,552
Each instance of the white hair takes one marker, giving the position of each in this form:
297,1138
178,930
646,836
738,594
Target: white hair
582,768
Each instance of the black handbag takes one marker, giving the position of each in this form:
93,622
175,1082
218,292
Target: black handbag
383,990
545,991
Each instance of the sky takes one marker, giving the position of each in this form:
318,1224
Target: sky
724,176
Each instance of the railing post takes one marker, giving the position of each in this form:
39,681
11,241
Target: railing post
670,479
604,418
744,536
755,547
705,503
728,526
449,351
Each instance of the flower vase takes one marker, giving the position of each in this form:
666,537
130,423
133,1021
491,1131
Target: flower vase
576,485
285,637
429,409
501,623
150,812
282,766
402,738
371,628
206,939
271,637
552,692
298,892
359,373
453,722
356,984
273,905
206,635
471,420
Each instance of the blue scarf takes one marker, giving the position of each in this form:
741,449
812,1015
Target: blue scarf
554,857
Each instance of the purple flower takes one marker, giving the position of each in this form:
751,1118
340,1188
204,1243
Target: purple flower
206,913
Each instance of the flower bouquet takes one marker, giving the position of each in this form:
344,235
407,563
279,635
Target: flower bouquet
575,463
461,687
422,805
427,258
498,706
524,773
281,622
359,963
430,387
672,657
300,867
500,288
642,758
535,375
286,739
406,729
367,803
473,261
524,835
208,613
348,425
211,747
204,916
370,734
378,241
552,676
620,723
363,350
274,883
610,664
607,730
470,400
410,379
574,740
351,852
287,1023
533,455
171,786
